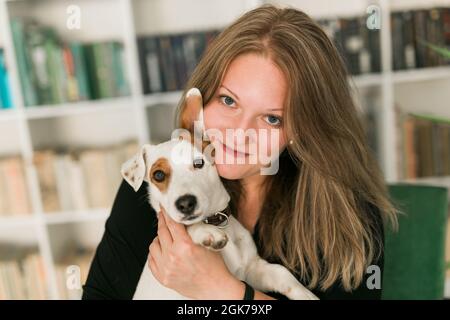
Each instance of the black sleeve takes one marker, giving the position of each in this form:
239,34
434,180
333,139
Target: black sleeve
123,249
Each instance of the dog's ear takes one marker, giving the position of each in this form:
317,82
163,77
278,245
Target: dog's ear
192,114
134,170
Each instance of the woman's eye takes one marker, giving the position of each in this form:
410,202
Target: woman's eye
273,120
198,163
159,175
226,100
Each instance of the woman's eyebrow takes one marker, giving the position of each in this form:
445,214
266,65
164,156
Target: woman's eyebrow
237,98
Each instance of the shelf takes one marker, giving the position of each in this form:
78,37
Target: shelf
8,115
16,222
56,218
83,107
425,74
367,80
77,216
155,99
76,108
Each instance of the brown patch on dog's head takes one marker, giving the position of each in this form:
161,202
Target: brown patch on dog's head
193,108
163,165
193,105
205,144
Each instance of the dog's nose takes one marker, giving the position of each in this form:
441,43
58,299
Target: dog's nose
186,204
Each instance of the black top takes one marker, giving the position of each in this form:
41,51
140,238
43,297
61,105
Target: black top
123,249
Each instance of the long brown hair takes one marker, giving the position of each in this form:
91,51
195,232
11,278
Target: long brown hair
318,218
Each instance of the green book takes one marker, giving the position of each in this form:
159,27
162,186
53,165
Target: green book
102,70
88,50
110,84
36,37
55,70
23,63
120,77
80,70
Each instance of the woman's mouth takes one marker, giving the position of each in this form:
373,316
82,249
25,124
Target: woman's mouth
231,151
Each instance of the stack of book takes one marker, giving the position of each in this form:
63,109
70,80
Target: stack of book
72,271
414,31
5,90
14,199
358,45
83,178
426,146
22,274
167,61
53,71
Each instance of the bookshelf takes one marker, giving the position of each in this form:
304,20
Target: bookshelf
147,117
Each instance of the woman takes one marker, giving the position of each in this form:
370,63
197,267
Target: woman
321,214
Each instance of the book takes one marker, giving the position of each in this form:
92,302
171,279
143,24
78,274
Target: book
14,187
5,89
43,162
167,61
80,178
24,65
358,45
426,141
22,274
53,70
413,31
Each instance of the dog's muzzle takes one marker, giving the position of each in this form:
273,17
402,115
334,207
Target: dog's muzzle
186,204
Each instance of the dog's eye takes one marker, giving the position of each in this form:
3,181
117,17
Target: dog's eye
198,163
159,175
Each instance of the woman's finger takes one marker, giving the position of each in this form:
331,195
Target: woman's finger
177,230
153,267
155,249
165,239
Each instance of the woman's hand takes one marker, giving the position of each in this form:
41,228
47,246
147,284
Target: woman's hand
190,269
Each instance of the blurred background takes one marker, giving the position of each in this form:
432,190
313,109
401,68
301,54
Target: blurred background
83,83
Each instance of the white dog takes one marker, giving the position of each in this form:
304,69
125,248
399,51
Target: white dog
184,181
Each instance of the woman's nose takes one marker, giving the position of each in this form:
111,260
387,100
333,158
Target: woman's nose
245,130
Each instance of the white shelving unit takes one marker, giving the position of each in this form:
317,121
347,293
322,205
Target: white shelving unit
123,20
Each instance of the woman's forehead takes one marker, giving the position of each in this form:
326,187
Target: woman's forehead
256,81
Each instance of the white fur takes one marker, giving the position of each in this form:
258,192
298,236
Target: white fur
240,252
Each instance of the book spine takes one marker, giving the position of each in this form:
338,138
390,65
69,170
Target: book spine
23,63
5,89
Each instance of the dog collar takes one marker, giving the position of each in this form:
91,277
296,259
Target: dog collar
219,219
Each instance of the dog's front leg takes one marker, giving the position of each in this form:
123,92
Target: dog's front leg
208,236
266,276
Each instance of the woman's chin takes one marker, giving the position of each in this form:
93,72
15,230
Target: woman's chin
232,171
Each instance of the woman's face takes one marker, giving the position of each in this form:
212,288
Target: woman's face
246,114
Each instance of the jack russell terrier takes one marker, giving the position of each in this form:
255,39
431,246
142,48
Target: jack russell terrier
184,181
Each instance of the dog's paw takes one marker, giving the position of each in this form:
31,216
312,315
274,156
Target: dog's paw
300,293
214,239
